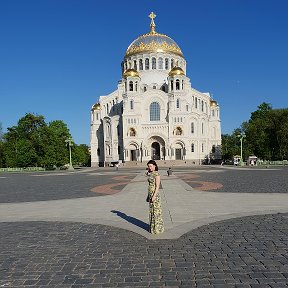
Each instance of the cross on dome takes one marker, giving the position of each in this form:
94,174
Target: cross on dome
152,15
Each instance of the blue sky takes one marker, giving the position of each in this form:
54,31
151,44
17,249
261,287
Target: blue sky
58,56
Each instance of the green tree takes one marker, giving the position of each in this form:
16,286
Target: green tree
56,151
81,155
34,143
258,132
2,157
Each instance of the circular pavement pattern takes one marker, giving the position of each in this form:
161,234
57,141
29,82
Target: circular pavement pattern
29,187
238,180
243,252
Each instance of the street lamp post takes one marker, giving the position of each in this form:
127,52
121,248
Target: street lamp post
69,141
141,151
241,136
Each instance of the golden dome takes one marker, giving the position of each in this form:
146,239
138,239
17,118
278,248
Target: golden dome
153,42
96,106
131,73
176,71
213,103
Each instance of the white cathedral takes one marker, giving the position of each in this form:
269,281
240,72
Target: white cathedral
155,113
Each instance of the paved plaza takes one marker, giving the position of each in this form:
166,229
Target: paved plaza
225,227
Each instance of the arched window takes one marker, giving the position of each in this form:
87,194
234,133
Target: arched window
146,64
172,63
153,63
182,84
213,112
136,86
132,132
130,86
192,128
154,111
107,107
166,63
145,88
187,108
196,102
202,128
178,131
202,106
160,63
202,147
177,103
177,84
140,64
131,104
192,147
171,82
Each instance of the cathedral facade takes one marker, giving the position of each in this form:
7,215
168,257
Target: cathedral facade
155,113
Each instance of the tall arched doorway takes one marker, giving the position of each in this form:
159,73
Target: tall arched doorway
133,152
179,151
155,151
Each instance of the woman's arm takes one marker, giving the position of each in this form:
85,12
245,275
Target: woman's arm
157,186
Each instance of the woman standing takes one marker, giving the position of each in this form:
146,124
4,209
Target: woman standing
155,210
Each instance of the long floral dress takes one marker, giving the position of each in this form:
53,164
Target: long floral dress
155,210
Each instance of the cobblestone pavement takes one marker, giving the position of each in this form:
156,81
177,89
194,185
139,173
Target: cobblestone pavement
28,187
243,180
243,252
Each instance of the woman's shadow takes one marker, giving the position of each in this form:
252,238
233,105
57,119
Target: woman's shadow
132,220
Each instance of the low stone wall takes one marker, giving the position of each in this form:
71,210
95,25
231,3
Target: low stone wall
273,163
22,169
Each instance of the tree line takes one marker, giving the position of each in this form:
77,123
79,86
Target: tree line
266,135
35,143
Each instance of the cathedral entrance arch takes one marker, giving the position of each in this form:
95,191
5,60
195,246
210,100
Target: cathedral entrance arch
157,145
155,151
179,151
133,152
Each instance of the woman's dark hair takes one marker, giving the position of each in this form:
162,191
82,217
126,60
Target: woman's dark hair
153,163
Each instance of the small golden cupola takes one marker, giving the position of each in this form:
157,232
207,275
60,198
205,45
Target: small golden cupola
213,103
96,106
176,71
130,73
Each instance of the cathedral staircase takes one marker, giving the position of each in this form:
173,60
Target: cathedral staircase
163,163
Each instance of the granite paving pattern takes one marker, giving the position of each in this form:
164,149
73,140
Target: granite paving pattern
243,252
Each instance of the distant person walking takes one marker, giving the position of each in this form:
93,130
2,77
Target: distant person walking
169,171
155,210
